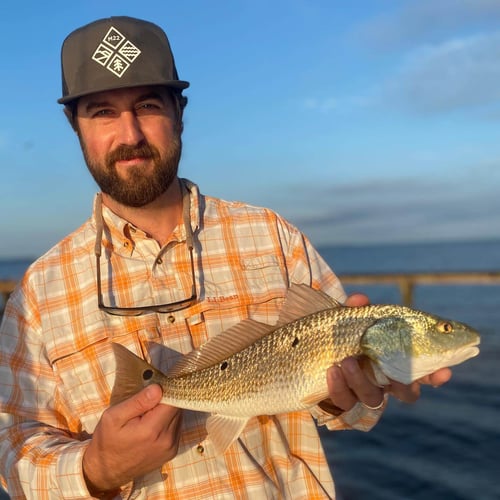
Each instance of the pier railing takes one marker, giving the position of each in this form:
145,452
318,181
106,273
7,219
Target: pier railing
6,287
406,282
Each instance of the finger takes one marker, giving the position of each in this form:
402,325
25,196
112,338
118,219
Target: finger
138,404
356,300
437,378
162,419
359,383
408,393
161,427
339,392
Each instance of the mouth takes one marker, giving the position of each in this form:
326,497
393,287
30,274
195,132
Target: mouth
128,162
466,352
130,156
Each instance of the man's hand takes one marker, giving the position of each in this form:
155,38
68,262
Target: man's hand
410,393
350,383
132,438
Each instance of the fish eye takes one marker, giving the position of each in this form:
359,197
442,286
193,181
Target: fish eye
445,327
147,374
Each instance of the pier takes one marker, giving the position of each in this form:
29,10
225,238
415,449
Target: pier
6,287
406,282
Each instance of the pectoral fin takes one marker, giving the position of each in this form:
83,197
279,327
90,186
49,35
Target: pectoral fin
223,431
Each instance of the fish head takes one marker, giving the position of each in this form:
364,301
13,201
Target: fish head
411,344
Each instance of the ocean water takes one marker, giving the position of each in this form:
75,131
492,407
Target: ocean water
446,446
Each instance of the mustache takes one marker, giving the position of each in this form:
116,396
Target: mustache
126,152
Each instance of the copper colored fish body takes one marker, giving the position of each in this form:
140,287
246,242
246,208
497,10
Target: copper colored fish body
257,369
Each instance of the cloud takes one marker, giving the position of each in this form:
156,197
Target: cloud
397,210
444,56
343,105
423,21
462,73
323,105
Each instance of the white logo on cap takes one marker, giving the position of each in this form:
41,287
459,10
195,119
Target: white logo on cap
115,52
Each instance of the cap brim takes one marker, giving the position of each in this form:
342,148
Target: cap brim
174,84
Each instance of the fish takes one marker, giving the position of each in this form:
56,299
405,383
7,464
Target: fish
254,369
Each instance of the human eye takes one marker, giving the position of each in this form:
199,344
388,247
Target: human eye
149,106
101,113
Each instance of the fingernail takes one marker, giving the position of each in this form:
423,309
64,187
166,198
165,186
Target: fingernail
334,373
150,392
350,365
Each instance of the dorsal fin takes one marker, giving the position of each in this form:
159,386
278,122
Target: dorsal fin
222,346
302,300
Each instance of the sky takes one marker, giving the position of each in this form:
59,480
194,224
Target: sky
361,121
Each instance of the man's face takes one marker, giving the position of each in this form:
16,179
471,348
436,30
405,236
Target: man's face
131,141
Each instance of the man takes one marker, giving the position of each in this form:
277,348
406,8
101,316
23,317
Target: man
159,268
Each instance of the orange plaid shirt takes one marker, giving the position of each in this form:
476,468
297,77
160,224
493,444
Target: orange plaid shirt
57,368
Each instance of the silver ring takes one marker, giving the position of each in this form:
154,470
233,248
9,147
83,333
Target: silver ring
368,407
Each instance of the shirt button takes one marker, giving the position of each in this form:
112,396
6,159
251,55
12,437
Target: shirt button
171,319
159,260
200,449
126,244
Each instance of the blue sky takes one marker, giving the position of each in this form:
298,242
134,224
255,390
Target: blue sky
360,121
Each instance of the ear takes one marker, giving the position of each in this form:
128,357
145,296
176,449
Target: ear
70,113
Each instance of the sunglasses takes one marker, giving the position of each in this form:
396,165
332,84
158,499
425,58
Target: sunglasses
159,308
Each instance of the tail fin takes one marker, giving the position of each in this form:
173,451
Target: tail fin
132,374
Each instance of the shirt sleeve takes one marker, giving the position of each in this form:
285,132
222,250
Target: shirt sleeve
39,457
39,462
358,417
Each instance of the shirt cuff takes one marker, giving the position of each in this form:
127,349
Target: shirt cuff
69,473
71,479
359,417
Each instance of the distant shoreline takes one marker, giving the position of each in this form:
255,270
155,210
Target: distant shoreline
417,243
322,246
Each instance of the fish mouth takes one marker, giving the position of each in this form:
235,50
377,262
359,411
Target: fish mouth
471,351
407,370
464,353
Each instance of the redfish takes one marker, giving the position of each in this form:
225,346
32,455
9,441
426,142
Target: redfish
259,369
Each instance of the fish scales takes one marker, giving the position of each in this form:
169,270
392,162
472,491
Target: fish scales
271,375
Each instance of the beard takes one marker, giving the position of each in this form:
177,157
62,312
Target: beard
139,188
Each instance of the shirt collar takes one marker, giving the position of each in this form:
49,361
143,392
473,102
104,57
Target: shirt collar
122,236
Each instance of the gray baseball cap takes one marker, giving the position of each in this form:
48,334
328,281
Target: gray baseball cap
114,53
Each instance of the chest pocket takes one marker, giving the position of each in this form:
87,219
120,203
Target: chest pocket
263,275
254,289
86,370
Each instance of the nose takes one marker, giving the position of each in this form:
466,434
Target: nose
129,129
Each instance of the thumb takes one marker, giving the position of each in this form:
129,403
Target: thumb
139,403
356,300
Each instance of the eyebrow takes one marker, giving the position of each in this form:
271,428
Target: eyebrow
105,103
95,104
150,95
